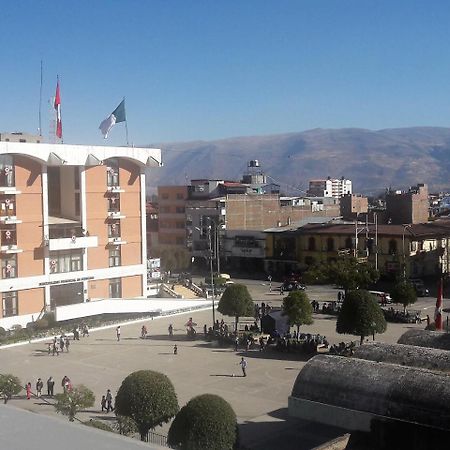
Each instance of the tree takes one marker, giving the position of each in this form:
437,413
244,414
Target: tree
9,385
236,302
360,315
350,274
74,400
404,293
298,309
148,398
206,422
317,274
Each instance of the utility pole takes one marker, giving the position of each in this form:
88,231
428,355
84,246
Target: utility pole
212,272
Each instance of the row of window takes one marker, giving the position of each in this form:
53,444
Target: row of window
168,209
10,299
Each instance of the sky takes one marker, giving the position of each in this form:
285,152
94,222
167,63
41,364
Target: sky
202,70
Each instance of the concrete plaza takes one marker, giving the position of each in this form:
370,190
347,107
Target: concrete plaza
259,400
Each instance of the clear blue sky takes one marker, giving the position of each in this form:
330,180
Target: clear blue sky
214,69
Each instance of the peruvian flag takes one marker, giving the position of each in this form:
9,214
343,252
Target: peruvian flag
438,310
57,107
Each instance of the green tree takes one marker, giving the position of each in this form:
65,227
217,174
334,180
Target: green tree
125,425
148,398
317,274
236,302
206,422
74,400
350,274
298,309
404,293
9,385
360,315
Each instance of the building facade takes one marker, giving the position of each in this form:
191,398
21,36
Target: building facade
408,207
330,187
417,250
72,225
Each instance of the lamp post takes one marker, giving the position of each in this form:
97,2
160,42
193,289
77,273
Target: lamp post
405,227
211,273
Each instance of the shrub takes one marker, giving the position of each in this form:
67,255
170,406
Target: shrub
207,422
41,324
3,332
148,398
72,401
98,424
9,385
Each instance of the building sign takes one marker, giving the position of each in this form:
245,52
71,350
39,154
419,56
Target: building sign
70,280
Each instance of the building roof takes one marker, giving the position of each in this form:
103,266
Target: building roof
22,430
294,226
81,155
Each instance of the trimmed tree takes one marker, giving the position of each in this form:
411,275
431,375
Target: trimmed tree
9,385
360,315
350,274
207,422
404,293
71,402
298,309
148,398
236,302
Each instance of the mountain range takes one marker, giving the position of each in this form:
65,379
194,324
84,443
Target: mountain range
372,159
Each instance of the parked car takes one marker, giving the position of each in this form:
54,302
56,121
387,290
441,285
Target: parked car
420,288
292,286
382,297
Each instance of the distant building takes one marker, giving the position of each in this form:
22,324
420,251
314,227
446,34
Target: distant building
408,207
336,187
351,205
21,137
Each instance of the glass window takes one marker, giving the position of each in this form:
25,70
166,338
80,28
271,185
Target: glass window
8,235
7,205
180,196
115,288
7,171
114,203
67,261
114,257
9,266
114,229
112,173
9,304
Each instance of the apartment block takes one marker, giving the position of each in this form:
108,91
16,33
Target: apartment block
72,225
408,207
329,187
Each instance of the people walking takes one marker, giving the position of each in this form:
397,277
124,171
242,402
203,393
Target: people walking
67,344
55,347
243,364
118,333
103,403
175,349
170,330
143,332
61,343
236,344
65,383
28,389
109,406
39,386
50,386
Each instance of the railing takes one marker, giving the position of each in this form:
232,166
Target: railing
157,439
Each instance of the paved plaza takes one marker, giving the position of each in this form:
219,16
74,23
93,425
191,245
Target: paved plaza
259,400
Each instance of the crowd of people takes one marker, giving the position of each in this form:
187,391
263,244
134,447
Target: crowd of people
66,385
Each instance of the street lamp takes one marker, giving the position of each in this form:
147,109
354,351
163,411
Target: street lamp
405,227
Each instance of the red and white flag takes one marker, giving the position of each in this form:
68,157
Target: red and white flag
57,107
438,311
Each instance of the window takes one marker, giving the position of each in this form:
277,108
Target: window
112,173
66,261
9,266
7,206
114,229
6,171
9,304
77,204
330,244
114,203
180,225
115,288
114,257
8,235
180,196
180,209
165,196
164,209
392,247
77,177
312,244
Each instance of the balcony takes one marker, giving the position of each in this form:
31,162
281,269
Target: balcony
115,189
74,242
9,190
9,249
117,240
9,220
115,215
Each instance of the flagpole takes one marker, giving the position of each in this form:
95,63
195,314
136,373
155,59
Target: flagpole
40,105
126,124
